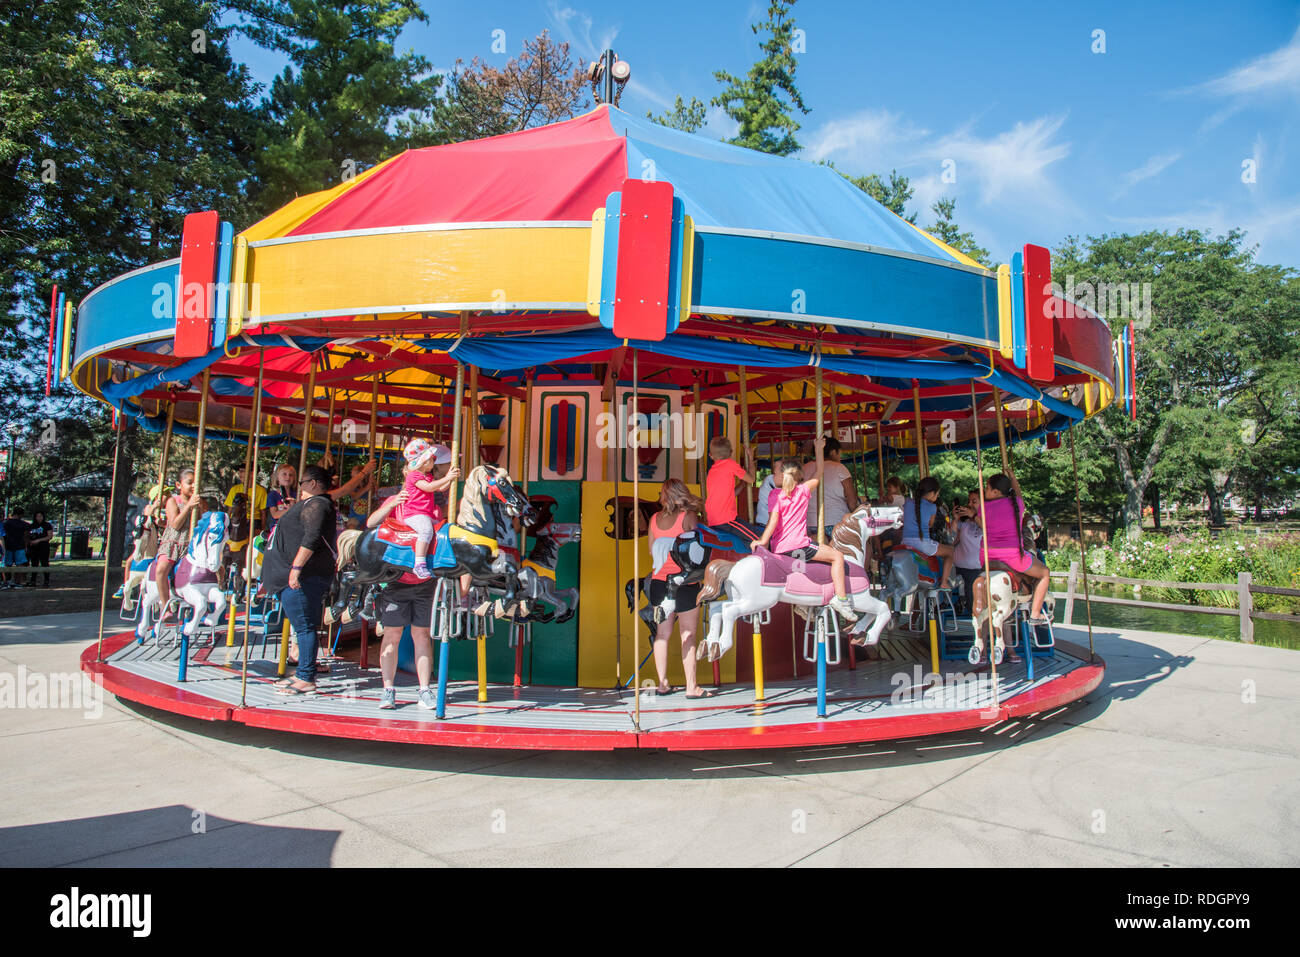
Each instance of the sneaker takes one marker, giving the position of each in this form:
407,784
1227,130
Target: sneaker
422,572
843,609
120,593
388,699
427,699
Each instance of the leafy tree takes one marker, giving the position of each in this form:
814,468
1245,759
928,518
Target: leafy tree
331,111
683,116
542,85
946,229
1218,335
762,101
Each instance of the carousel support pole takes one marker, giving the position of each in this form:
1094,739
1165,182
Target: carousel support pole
880,462
472,455
255,439
108,532
749,515
198,442
283,665
1002,432
618,548
523,535
374,426
636,550
922,465
306,418
445,644
758,658
329,434
443,663
984,524
821,485
166,451
780,420
744,437
696,407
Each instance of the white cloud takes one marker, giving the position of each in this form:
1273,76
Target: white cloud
718,125
1152,167
1012,163
1278,71
863,140
575,27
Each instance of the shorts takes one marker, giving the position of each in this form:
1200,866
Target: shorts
1011,557
421,524
402,605
688,596
805,554
15,556
926,546
173,544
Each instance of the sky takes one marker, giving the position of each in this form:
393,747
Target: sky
1041,120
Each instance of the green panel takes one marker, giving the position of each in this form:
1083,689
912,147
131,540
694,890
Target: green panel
553,655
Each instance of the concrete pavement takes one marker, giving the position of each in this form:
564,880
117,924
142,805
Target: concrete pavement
1187,755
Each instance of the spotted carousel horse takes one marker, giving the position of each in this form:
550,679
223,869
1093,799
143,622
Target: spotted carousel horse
691,551
998,593
472,546
757,582
537,574
195,578
143,551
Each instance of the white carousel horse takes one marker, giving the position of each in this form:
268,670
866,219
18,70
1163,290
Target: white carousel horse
196,581
757,582
142,556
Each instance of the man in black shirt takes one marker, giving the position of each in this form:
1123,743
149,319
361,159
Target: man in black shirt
15,532
38,546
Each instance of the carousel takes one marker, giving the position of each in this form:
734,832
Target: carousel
577,311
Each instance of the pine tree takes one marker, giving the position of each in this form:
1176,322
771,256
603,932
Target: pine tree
946,229
683,116
756,102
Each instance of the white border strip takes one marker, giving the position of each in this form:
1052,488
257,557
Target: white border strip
126,275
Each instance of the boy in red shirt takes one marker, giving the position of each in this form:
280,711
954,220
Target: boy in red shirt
724,476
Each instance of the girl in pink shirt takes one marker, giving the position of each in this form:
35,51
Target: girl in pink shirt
787,530
420,510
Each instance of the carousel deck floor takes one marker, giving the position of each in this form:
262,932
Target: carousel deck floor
879,700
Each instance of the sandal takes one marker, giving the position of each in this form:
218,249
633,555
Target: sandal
671,690
292,688
704,693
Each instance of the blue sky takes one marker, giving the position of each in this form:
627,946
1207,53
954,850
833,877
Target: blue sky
1041,136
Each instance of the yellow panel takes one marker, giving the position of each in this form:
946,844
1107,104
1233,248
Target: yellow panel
1004,311
595,261
957,254
366,274
604,603
64,363
288,217
237,297
688,267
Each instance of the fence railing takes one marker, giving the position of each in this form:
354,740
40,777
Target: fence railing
1244,588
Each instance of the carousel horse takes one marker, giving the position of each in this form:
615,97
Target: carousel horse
145,548
472,546
195,580
997,594
537,574
691,553
757,582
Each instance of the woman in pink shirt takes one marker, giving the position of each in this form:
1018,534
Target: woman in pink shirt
787,530
1003,511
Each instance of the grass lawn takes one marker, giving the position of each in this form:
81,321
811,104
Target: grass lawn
74,586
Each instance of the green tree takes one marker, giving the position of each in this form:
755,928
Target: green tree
946,229
762,102
683,116
331,113
1213,340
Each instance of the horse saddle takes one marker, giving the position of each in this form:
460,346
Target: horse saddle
928,567
813,581
1018,583
723,541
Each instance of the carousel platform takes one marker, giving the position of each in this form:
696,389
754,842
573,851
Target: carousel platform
885,699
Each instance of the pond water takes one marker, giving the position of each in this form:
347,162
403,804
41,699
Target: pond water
1278,634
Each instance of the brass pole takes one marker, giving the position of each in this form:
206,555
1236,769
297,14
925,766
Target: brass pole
255,440
619,453
198,451
108,532
821,479
374,426
455,440
744,435
166,450
306,418
329,434
984,528
475,455
880,461
636,547
1083,546
1002,434
921,463
703,456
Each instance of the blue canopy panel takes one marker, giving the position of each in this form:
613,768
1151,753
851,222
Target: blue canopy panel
729,186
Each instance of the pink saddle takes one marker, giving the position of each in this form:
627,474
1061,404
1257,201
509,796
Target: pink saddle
814,581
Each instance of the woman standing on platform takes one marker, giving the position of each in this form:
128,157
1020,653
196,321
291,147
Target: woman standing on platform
679,512
299,565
